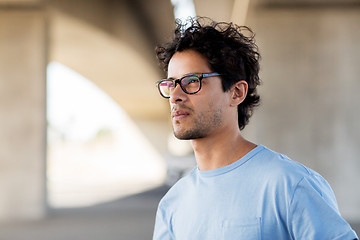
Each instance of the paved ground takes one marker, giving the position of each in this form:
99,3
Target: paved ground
130,218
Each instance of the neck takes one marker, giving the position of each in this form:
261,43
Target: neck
221,150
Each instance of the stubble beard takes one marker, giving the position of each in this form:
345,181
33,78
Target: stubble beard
202,125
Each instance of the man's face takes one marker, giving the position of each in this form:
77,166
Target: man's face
198,115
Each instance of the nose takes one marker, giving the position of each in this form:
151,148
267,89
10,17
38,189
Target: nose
177,95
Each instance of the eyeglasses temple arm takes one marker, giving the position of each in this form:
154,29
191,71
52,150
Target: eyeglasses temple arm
210,74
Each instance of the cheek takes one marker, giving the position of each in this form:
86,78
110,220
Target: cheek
211,99
218,100
211,107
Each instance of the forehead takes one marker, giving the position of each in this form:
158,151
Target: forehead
187,61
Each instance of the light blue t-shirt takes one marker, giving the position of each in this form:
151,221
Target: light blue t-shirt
263,195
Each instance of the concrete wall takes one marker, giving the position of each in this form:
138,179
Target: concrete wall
110,42
310,93
22,110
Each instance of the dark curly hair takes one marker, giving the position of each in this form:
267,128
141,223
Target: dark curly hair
227,50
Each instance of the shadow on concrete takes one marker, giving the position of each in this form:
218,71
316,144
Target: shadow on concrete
129,218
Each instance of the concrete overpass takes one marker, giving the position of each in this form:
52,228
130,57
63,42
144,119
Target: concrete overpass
309,69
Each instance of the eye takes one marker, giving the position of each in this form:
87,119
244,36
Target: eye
190,79
168,83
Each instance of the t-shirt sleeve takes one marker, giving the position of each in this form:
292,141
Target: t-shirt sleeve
162,225
314,213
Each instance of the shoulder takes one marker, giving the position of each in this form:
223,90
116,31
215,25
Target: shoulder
276,164
282,172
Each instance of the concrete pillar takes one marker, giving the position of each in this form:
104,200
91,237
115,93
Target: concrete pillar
22,110
310,92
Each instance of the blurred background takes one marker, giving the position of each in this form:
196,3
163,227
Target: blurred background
86,142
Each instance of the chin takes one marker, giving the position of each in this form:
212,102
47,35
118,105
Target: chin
189,135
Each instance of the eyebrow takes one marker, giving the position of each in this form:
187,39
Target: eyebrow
188,74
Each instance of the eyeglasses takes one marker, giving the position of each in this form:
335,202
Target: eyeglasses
190,83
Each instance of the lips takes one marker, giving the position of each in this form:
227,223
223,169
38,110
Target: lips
179,114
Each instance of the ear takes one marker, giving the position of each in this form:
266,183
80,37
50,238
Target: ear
238,92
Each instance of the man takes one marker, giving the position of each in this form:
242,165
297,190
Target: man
239,190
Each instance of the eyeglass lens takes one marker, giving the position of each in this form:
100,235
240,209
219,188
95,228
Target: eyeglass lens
190,84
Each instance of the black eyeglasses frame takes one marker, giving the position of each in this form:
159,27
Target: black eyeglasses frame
200,76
